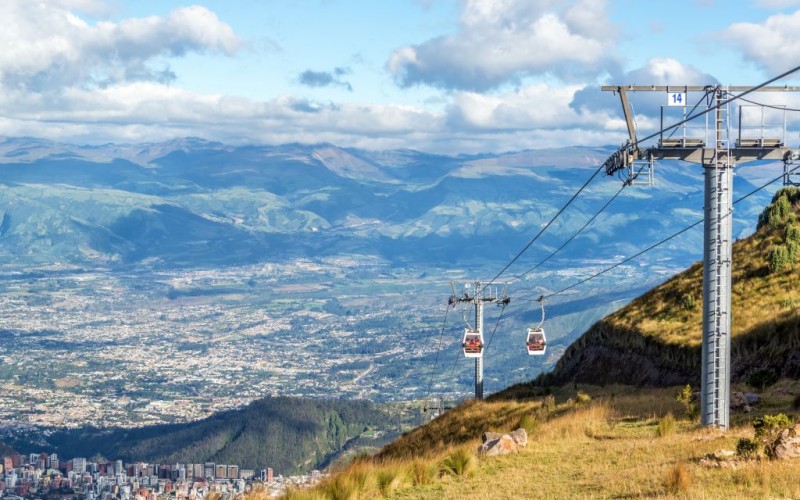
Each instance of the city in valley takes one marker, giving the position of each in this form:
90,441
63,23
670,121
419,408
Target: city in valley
109,349
43,474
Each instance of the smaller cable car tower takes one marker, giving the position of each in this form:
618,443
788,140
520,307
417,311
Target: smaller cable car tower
473,343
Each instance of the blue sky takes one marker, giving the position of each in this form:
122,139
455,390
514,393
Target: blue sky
451,76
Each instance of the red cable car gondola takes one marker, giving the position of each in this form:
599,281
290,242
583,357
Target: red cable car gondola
536,340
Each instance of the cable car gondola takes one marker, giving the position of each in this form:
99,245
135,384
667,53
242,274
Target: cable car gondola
536,341
472,343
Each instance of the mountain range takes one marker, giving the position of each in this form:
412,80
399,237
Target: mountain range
193,203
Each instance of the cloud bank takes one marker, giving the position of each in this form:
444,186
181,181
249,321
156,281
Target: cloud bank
47,47
502,41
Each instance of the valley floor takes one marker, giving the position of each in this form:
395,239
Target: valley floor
606,447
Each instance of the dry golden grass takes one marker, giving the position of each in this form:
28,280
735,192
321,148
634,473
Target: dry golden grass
758,297
606,448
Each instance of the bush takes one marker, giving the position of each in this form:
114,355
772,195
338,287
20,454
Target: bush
582,398
549,403
768,428
684,397
779,258
529,423
339,489
423,472
678,479
458,463
777,212
747,449
792,250
792,233
761,379
689,302
666,425
389,480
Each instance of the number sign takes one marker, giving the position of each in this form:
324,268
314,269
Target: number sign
676,99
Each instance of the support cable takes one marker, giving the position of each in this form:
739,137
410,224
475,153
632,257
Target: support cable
668,238
772,106
579,231
718,105
524,249
438,350
499,317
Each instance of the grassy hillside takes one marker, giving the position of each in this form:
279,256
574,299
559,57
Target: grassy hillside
655,340
613,442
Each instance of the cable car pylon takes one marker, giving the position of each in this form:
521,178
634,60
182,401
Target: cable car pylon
473,343
718,159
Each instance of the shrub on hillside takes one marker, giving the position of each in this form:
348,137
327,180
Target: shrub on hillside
390,479
792,234
768,428
689,302
581,398
761,379
777,212
678,479
458,463
529,423
549,403
747,449
684,397
423,472
666,425
779,258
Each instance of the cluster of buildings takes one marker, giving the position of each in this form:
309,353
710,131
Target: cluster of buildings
40,475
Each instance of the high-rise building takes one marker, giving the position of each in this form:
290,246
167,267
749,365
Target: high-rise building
233,472
79,465
8,463
198,471
222,471
269,475
209,470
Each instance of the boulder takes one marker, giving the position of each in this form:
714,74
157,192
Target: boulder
788,443
502,446
752,398
520,437
738,401
491,436
722,459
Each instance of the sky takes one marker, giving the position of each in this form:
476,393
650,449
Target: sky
441,76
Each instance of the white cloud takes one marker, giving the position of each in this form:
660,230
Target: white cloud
533,107
47,46
500,41
776,4
773,45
